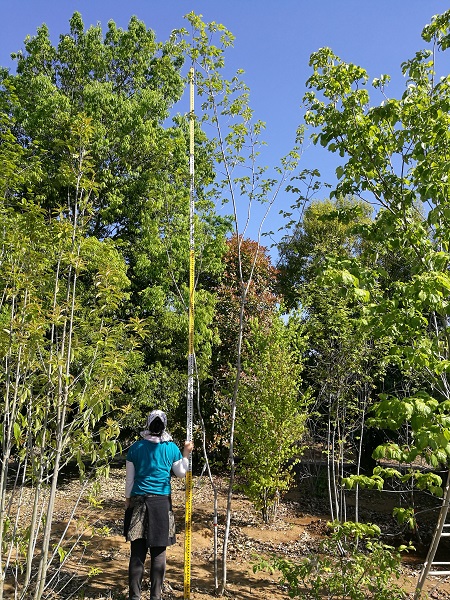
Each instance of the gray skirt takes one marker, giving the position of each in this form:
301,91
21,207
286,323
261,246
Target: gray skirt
151,518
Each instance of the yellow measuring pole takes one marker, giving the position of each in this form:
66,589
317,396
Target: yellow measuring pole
190,390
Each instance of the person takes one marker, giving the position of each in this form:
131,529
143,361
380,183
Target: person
149,522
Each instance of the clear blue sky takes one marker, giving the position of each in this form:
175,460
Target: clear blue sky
274,39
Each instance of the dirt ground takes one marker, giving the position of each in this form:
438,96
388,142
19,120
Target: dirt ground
298,529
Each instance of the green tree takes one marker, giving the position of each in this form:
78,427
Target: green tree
397,153
272,413
125,84
341,359
327,229
64,352
236,144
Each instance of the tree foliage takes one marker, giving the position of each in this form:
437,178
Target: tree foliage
94,273
236,144
396,152
95,222
247,259
353,563
272,413
64,354
327,230
124,84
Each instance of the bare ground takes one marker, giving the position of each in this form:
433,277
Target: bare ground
298,530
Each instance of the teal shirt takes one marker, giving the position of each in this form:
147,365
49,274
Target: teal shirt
152,463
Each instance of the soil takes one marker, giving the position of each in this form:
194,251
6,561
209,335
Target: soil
300,525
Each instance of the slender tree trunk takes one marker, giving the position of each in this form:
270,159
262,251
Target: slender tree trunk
213,486
231,453
10,415
63,400
360,446
330,470
229,162
341,442
35,520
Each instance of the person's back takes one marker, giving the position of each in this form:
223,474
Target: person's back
148,517
152,465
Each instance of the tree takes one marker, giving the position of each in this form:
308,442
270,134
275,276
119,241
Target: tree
261,301
397,152
125,84
261,304
236,144
272,413
340,358
327,229
64,353
107,181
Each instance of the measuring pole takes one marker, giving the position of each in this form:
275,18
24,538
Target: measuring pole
190,388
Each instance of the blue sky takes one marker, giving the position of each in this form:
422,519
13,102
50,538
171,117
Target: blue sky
274,39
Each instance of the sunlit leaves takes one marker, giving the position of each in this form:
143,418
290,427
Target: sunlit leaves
272,414
342,569
396,154
430,432
375,139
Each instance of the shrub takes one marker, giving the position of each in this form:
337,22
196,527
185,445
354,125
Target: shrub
352,563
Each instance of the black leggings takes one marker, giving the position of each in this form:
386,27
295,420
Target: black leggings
136,569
